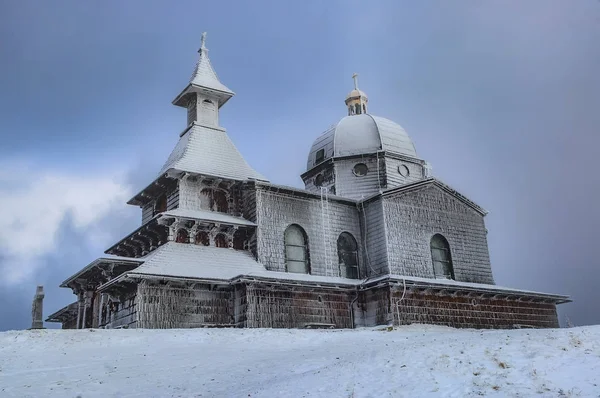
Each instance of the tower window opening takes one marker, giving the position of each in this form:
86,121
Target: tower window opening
319,180
214,200
320,156
357,109
360,170
202,238
182,236
239,239
221,241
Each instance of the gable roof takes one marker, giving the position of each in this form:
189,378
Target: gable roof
430,182
209,151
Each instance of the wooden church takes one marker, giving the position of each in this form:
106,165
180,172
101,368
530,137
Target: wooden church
373,239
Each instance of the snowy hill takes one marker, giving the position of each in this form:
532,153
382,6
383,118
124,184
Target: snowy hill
412,361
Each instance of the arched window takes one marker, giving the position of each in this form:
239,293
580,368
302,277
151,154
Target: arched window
440,255
348,255
357,109
221,241
202,238
214,200
182,236
239,239
296,250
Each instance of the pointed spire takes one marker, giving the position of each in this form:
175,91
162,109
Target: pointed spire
204,75
204,79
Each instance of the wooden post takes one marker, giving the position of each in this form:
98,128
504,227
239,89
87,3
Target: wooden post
78,312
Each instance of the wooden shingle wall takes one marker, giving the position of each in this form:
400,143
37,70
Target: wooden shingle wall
162,306
277,210
348,185
413,218
467,312
276,306
395,179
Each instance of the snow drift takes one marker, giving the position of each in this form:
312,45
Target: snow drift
406,362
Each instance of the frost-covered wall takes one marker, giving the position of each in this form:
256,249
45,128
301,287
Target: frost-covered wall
323,223
375,253
161,306
401,172
412,218
276,306
349,185
124,313
326,177
191,196
469,312
149,209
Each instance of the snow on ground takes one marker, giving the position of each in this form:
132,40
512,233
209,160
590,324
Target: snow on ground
412,361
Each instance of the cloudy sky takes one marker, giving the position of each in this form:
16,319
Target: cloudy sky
501,97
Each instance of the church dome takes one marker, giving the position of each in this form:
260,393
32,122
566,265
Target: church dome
359,135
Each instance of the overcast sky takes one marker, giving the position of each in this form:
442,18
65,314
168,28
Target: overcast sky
501,97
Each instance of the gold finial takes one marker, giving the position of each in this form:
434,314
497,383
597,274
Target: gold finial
355,77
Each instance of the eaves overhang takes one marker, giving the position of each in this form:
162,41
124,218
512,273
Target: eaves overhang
182,97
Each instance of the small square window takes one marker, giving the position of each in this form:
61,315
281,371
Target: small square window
320,156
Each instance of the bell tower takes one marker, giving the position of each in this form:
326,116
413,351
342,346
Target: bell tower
205,94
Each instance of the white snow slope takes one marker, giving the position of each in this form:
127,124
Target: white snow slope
413,361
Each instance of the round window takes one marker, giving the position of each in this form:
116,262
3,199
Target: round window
403,170
319,180
360,169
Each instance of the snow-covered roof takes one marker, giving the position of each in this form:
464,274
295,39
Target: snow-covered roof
359,135
204,75
186,260
204,79
207,215
99,262
209,151
189,261
66,312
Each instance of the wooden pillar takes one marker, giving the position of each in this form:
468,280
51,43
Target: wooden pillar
95,309
79,299
100,309
87,302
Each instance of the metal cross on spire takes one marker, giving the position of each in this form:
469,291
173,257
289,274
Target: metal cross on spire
203,42
355,77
